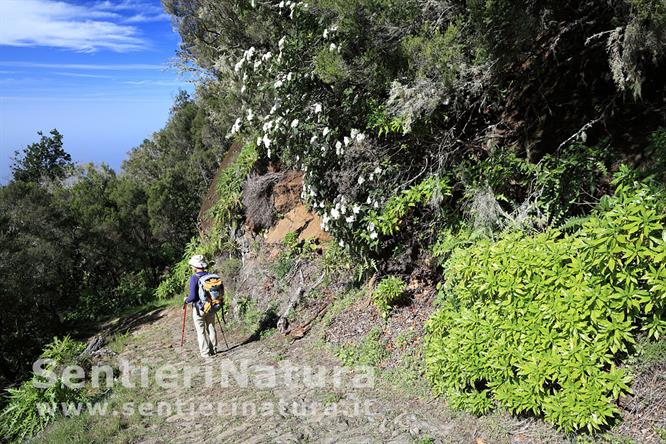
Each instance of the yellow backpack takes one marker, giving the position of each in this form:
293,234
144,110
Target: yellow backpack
211,293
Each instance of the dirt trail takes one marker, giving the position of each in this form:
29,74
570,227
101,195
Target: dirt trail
391,415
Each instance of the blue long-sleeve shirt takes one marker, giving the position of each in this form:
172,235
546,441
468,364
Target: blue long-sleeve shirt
194,288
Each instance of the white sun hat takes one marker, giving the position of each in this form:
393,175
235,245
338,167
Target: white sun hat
197,261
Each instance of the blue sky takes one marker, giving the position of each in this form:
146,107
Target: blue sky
98,71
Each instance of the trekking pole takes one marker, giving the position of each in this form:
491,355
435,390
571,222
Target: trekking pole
182,337
222,330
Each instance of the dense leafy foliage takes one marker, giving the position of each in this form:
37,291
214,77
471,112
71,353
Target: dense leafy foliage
389,292
174,169
78,243
369,96
27,411
225,213
541,324
43,160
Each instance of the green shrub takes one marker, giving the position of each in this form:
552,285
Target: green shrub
397,211
291,242
134,288
330,66
433,54
225,214
383,123
226,209
282,265
63,351
24,414
389,292
541,324
565,179
336,259
371,350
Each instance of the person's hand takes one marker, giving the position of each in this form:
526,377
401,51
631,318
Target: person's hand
185,300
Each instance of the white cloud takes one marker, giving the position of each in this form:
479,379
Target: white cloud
83,75
83,66
65,25
143,18
127,5
155,82
141,12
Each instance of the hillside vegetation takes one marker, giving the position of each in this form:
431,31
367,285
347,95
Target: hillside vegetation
486,134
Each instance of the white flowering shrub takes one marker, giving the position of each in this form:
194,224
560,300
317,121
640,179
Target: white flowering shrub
294,93
371,99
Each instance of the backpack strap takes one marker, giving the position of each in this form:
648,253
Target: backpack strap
201,292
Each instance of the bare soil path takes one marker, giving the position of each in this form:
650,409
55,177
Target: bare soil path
280,405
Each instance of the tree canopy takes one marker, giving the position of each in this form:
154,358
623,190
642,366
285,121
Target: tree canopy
45,159
82,242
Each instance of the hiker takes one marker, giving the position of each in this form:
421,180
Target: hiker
203,322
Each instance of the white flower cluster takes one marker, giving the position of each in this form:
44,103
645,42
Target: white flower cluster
342,210
355,136
371,230
375,204
292,6
376,172
246,58
344,214
328,32
236,126
281,79
294,119
309,193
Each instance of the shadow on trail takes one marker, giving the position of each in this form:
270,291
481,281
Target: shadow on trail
268,321
123,323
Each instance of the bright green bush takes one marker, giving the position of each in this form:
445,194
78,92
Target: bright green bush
22,418
291,242
225,212
382,123
229,185
395,213
63,351
541,324
389,292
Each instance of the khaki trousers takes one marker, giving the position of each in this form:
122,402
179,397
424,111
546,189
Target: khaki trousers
206,335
